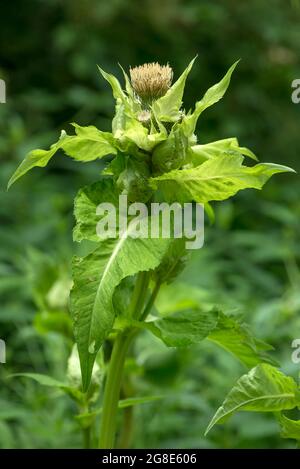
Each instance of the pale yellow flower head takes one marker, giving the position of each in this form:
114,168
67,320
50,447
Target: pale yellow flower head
151,81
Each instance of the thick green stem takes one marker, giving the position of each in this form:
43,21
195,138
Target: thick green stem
87,437
112,391
116,365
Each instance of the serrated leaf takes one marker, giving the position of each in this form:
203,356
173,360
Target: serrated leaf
212,96
173,262
88,144
216,179
238,340
167,107
202,153
263,389
132,179
95,280
85,208
183,328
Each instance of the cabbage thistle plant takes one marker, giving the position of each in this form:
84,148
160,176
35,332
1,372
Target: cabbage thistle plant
154,155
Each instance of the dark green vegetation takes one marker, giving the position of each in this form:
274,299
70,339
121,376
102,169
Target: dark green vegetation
249,263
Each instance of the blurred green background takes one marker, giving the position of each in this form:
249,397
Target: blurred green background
250,261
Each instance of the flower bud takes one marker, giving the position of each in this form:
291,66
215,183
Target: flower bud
151,81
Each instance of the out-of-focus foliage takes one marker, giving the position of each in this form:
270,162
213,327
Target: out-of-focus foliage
249,263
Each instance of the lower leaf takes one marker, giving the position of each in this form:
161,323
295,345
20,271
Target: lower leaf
263,389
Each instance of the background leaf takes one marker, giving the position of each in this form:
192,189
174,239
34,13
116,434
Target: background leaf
263,389
183,328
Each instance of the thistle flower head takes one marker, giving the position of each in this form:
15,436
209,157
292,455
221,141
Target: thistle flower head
151,81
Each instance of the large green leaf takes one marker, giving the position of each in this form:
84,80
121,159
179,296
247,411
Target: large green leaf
237,339
216,179
88,144
212,96
183,328
95,280
85,208
263,389
167,107
229,333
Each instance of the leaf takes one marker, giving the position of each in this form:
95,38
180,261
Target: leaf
237,339
173,262
88,144
118,93
126,106
134,131
85,208
95,280
172,153
263,389
212,96
128,87
183,328
216,179
46,380
289,428
87,419
167,107
132,180
74,372
201,153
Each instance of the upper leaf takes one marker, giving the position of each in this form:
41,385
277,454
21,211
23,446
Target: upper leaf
167,107
212,96
216,179
263,389
201,153
118,93
88,144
